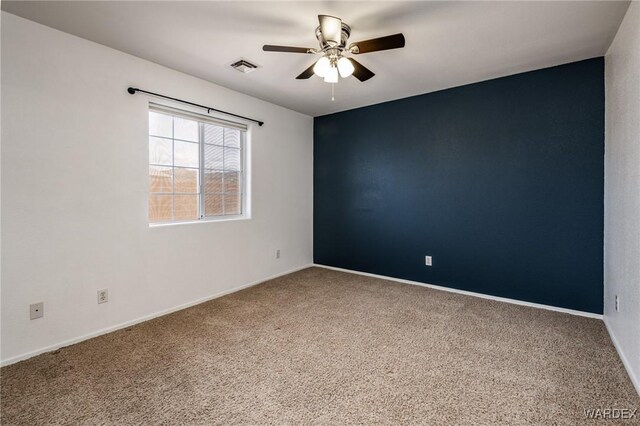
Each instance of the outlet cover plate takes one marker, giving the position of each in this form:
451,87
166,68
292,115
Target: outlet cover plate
428,261
103,296
36,310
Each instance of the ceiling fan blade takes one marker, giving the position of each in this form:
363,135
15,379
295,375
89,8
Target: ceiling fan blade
376,44
361,72
287,49
331,28
306,73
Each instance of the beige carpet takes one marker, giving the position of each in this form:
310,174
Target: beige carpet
326,347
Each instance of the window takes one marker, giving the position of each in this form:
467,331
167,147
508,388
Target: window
196,167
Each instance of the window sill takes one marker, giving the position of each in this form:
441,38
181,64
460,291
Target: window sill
192,222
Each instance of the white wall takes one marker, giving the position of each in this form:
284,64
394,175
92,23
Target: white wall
74,193
622,191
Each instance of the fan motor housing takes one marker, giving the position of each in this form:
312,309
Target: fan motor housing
346,32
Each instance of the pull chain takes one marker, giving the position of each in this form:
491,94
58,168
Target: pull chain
332,97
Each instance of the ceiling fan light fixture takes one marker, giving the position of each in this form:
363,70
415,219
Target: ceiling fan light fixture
345,67
331,76
322,66
333,38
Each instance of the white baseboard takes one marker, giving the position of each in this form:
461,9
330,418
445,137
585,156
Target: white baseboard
469,293
110,329
634,379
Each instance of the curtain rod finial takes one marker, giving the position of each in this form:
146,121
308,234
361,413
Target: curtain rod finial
132,90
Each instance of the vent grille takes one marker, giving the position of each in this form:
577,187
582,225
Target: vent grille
243,66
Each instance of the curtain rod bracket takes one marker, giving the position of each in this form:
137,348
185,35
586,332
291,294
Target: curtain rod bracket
133,90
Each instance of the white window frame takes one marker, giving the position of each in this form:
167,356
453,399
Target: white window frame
245,178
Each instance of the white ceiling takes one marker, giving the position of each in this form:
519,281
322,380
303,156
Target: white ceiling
447,43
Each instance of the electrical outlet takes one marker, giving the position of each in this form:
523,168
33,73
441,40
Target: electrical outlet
617,304
278,254
428,261
103,296
36,310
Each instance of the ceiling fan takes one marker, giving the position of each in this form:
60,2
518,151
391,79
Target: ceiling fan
332,34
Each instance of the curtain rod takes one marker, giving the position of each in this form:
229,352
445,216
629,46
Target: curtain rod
133,90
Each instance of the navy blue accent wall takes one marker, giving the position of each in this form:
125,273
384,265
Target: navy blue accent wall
500,181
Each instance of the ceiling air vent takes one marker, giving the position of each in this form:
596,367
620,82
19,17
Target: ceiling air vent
243,66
